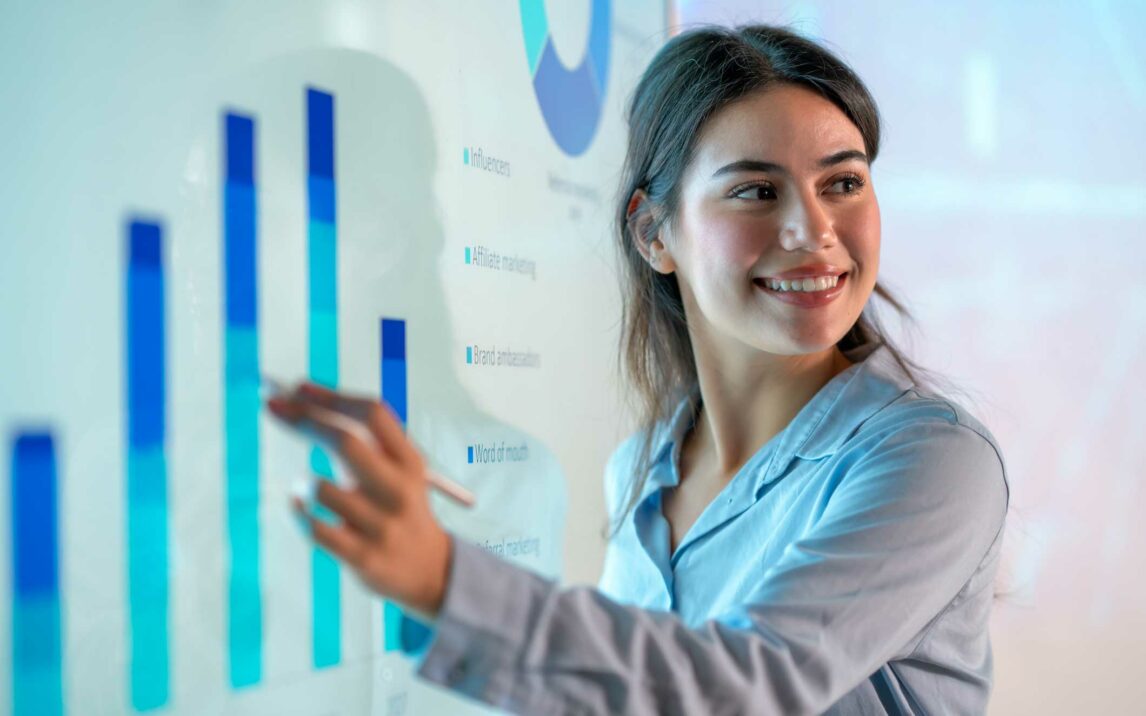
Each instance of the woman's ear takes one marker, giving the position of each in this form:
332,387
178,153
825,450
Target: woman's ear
645,235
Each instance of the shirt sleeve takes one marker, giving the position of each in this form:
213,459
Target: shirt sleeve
904,528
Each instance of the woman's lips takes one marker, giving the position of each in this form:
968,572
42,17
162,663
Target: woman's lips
805,299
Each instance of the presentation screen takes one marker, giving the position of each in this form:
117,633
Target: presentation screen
407,200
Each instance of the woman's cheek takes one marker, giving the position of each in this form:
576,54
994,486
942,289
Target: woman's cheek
735,245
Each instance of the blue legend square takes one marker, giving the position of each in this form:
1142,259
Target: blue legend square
467,254
469,354
466,155
470,458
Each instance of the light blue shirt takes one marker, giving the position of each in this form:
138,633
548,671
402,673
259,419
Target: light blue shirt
848,567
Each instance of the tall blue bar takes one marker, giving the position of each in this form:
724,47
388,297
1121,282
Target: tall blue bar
399,632
241,400
323,354
147,512
37,683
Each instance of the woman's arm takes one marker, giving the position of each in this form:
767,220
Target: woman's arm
903,531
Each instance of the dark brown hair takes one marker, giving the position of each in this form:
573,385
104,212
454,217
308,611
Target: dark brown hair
692,77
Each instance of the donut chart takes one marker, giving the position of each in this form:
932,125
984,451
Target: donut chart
571,99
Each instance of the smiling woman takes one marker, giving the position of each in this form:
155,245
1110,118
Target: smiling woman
799,525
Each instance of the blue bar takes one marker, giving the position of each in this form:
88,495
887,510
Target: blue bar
416,635
393,341
320,133
241,403
240,253
146,391
323,203
147,519
322,250
392,377
393,352
470,454
239,131
37,682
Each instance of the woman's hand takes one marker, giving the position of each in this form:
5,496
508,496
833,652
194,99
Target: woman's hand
387,533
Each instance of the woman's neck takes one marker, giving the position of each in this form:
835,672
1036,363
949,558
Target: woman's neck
747,402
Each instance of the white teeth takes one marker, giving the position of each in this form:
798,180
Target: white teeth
807,284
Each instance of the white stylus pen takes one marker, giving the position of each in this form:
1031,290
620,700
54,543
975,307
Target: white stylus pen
444,485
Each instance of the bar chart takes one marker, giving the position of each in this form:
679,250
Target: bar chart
38,649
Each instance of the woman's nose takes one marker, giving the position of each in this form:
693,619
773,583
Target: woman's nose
805,224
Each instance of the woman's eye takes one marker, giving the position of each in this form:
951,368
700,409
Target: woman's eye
853,184
755,191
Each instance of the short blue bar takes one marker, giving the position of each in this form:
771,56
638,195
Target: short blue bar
147,509
37,682
393,352
400,632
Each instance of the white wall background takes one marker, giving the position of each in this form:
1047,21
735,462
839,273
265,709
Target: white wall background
114,109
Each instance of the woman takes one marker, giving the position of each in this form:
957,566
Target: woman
799,526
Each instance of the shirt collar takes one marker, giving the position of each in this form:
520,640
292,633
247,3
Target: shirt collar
822,425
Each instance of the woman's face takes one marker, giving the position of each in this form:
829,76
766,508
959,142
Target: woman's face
779,181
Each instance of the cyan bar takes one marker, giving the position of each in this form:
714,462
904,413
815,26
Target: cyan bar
241,401
322,250
391,627
322,255
147,510
37,683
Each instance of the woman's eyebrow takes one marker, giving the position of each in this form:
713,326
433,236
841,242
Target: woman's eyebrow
757,165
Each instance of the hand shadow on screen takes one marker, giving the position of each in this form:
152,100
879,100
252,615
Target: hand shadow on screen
390,261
